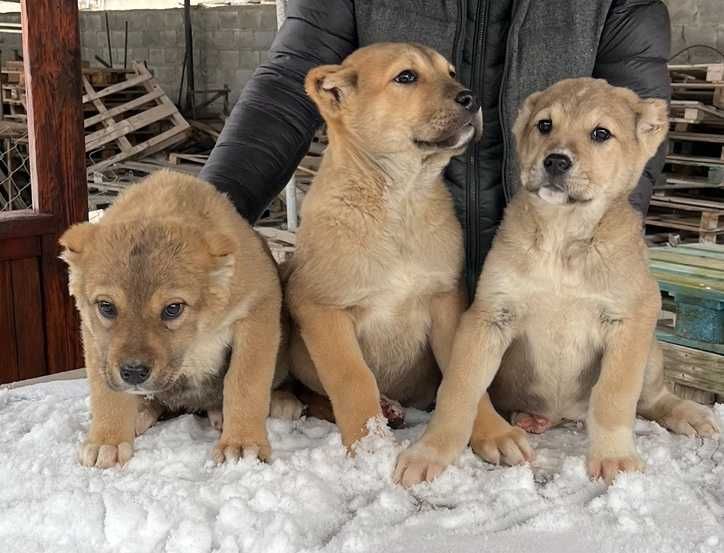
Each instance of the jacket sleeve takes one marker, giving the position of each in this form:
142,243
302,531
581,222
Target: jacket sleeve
633,52
272,124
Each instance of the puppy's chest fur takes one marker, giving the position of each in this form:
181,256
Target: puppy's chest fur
566,309
200,386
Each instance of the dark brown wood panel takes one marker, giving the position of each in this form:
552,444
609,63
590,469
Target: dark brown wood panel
57,148
8,351
19,248
29,331
18,224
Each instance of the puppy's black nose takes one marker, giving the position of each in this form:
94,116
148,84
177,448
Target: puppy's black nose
557,164
466,98
134,372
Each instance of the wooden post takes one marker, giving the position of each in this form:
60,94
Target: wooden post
51,50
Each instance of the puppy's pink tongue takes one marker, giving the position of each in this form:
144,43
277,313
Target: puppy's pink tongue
393,412
531,423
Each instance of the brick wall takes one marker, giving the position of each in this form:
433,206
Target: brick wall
696,22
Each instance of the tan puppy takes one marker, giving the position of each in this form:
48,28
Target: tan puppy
566,308
374,284
166,283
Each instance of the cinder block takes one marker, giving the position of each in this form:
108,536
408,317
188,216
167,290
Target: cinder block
138,54
268,18
223,40
709,11
174,19
249,59
263,39
135,39
228,18
229,59
168,38
241,77
156,57
173,56
250,18
701,34
683,12
92,21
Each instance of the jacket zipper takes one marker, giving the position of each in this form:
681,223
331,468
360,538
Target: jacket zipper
473,209
507,192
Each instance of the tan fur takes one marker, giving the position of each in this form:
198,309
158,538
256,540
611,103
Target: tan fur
374,283
565,309
174,239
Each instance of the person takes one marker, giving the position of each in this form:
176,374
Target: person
503,50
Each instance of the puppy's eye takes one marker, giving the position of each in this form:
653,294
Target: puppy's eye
406,77
172,311
452,73
107,309
545,126
600,134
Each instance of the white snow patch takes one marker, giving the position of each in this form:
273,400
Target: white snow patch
312,497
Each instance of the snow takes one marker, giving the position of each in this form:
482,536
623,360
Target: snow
312,497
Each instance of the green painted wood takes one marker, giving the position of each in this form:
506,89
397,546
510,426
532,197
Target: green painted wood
667,336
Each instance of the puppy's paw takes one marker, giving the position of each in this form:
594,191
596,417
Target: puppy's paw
509,447
285,405
691,419
104,456
216,418
145,419
232,449
601,466
419,463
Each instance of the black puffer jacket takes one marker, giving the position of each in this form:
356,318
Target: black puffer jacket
503,49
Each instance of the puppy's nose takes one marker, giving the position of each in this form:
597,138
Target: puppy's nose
557,164
466,98
134,372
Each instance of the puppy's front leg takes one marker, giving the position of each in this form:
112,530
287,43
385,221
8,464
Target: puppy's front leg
113,418
247,385
330,337
482,338
445,310
612,410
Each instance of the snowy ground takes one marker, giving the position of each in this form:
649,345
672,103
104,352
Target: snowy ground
311,497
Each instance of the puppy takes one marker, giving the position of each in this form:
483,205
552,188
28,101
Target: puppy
374,285
180,304
566,308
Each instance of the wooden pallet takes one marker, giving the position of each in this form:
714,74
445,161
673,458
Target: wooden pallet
143,122
691,277
690,214
700,82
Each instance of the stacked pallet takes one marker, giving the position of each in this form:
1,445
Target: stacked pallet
689,200
691,330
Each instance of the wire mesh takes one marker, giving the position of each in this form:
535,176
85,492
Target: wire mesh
15,188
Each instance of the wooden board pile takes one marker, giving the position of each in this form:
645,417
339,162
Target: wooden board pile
689,200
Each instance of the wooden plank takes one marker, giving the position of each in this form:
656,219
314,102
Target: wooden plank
8,347
695,368
676,268
693,225
672,255
173,133
104,136
29,332
697,137
107,120
19,248
57,157
17,224
688,285
135,81
681,202
118,110
697,161
689,182
698,86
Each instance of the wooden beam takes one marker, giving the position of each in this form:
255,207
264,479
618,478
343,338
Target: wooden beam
57,156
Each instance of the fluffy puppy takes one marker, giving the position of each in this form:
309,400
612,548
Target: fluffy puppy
180,306
374,285
564,317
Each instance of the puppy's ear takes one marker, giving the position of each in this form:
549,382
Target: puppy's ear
221,248
329,86
652,123
75,240
524,113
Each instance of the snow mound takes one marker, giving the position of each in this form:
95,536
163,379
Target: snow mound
314,498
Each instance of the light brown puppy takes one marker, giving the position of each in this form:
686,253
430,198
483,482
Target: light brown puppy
566,308
180,302
374,285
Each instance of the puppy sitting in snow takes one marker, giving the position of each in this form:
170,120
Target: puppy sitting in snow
180,305
563,320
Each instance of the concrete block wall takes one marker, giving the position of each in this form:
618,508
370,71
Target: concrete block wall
229,42
696,22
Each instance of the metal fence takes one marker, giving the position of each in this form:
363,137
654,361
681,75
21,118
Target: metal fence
15,189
